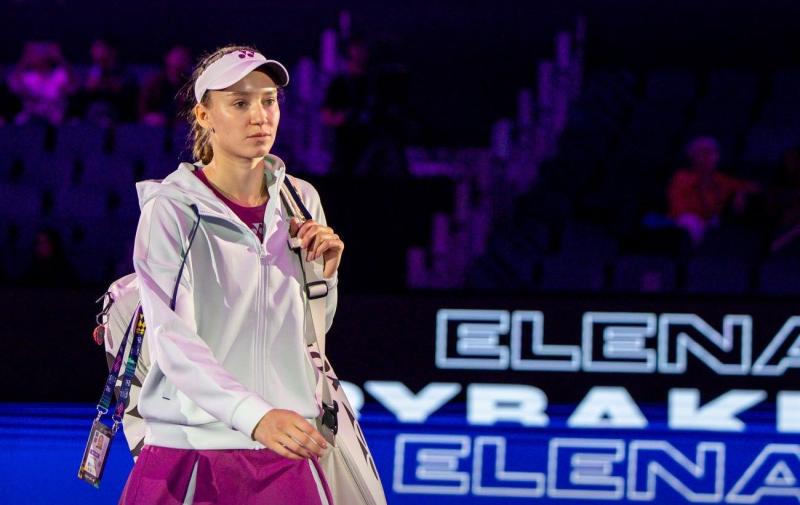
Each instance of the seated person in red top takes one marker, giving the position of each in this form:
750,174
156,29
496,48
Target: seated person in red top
698,195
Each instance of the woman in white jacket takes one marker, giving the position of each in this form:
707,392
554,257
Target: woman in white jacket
229,401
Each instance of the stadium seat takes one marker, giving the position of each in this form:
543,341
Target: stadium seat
44,170
732,86
587,239
180,147
18,140
491,273
108,172
515,251
572,273
780,276
718,275
139,141
671,86
83,204
731,241
22,203
16,243
644,274
78,140
767,143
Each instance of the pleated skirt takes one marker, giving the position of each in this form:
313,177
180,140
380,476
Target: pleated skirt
168,476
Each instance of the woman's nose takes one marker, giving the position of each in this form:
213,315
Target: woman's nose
260,114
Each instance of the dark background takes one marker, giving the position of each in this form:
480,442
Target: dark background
467,59
386,337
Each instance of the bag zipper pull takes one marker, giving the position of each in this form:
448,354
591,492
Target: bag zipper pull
99,333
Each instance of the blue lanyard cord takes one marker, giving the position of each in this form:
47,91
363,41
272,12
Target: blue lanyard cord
130,368
111,381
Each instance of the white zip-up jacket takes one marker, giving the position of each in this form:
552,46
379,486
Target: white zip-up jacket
234,347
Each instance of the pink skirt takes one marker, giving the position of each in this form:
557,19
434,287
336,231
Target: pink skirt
161,476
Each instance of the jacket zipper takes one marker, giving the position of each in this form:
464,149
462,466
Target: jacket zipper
262,309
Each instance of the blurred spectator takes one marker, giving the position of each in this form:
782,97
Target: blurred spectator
783,204
385,154
49,266
697,196
347,108
109,92
159,100
42,82
9,104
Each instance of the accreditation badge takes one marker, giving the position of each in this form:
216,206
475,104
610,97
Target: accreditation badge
94,456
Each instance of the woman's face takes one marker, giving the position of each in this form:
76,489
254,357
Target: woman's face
245,117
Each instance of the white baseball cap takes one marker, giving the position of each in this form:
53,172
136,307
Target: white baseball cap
233,66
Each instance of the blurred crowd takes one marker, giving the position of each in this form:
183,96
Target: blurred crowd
43,87
364,106
130,116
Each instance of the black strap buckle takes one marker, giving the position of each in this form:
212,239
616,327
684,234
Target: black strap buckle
329,416
317,289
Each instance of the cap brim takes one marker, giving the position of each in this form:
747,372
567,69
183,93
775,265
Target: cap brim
276,71
229,70
272,68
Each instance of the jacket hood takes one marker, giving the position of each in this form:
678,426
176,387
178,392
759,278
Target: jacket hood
185,187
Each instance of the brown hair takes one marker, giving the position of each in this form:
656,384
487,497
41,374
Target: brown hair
199,136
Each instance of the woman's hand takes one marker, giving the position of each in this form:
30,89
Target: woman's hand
290,435
319,240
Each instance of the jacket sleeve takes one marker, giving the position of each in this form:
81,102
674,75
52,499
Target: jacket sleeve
310,197
181,354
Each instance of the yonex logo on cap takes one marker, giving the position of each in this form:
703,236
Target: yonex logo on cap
246,54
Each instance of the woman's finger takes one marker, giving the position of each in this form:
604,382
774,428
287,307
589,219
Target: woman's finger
307,226
305,441
333,243
311,431
283,451
294,227
318,439
304,227
312,234
319,239
309,237
295,447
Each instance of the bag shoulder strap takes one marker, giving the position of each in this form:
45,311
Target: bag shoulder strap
315,288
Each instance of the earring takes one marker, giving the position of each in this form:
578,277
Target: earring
213,130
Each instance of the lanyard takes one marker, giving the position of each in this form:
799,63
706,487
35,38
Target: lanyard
137,323
130,367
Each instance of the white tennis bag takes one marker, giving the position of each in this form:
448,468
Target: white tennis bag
348,464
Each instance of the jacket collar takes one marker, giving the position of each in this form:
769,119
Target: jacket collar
185,187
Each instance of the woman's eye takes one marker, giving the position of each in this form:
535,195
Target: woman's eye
239,104
269,101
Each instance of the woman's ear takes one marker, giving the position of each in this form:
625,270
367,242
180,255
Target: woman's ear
202,116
